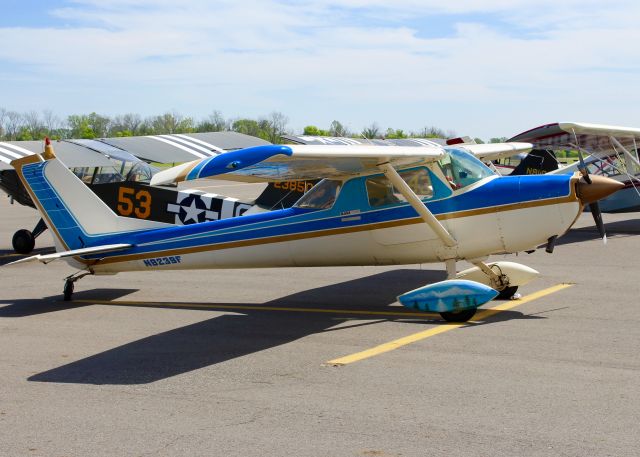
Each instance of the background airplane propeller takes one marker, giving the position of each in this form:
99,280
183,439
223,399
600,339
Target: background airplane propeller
594,207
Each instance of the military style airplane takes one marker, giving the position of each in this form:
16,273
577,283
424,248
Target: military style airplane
374,206
116,169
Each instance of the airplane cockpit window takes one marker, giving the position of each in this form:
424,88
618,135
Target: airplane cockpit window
126,166
104,175
85,174
381,192
138,172
462,169
322,196
129,172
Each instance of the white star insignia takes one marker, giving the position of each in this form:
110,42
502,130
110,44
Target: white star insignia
192,212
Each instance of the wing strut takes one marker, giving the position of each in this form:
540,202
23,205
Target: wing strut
417,204
628,156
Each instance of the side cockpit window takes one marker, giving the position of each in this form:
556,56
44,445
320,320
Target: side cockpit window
381,192
461,169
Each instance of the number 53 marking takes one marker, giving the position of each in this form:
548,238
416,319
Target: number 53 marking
138,204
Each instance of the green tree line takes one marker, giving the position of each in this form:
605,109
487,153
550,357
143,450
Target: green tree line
16,126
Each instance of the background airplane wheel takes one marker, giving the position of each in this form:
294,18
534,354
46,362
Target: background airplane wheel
68,290
23,241
507,293
458,316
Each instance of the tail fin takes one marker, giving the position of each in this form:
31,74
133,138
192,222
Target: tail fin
537,162
76,216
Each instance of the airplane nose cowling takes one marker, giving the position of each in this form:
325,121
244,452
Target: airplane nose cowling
599,188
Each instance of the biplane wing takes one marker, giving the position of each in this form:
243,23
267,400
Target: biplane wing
298,162
72,154
613,152
597,139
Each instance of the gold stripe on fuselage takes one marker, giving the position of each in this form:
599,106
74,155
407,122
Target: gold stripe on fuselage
338,231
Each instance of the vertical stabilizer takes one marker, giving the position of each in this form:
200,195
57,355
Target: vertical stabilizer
75,215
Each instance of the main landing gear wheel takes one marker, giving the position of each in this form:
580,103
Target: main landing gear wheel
23,241
69,280
68,290
507,293
458,316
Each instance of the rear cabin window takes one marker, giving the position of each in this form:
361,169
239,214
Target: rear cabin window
381,192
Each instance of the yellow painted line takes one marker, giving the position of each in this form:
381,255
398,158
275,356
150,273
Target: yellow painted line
258,308
481,315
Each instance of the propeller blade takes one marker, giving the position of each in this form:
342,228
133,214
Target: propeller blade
583,168
597,217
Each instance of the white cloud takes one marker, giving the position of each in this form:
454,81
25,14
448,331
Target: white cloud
503,65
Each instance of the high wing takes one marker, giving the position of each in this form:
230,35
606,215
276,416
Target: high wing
597,139
299,162
484,152
344,141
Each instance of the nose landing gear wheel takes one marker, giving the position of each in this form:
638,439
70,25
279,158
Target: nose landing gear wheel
507,293
458,316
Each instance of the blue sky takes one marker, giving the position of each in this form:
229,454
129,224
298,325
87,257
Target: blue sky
485,69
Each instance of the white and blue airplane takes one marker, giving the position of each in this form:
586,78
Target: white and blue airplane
374,206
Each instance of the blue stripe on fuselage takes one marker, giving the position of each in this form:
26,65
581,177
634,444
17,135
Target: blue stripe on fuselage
56,211
495,192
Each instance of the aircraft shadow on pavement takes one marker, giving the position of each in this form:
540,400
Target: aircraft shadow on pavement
54,303
578,235
229,336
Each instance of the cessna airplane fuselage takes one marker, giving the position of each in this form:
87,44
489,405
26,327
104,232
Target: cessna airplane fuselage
353,233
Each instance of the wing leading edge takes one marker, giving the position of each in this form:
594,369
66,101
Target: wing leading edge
300,162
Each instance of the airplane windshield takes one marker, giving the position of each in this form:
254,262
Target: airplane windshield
121,172
322,196
462,169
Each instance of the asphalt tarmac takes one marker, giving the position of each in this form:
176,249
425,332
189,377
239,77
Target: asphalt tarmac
321,361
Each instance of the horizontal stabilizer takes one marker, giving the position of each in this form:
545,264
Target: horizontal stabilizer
46,258
461,140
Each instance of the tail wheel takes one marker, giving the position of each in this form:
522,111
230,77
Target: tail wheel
458,316
23,241
507,293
